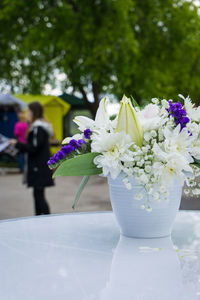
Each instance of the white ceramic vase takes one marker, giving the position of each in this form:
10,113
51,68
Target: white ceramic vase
139,223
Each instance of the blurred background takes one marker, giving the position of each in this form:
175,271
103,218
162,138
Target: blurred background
68,54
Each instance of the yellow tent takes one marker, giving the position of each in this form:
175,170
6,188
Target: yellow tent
54,110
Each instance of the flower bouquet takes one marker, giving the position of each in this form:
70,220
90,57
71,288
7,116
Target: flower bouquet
150,150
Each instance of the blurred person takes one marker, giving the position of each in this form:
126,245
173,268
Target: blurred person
20,130
37,148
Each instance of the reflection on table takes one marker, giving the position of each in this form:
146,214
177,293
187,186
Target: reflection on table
83,257
145,269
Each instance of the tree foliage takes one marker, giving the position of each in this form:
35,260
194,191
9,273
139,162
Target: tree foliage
140,48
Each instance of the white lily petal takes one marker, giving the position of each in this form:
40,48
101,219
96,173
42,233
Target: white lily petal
102,116
83,122
181,96
134,127
76,137
66,140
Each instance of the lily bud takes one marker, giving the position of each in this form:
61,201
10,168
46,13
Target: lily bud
127,122
102,117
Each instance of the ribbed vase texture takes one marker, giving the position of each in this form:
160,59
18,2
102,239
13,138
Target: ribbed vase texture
137,222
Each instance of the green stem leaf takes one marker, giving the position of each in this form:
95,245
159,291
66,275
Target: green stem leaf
80,189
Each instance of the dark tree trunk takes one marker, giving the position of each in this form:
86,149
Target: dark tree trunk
91,106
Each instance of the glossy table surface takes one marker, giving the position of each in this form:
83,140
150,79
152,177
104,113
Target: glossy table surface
82,256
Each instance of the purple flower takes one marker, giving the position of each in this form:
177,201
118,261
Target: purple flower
51,162
178,112
81,141
64,148
62,151
87,133
59,155
184,120
74,143
68,148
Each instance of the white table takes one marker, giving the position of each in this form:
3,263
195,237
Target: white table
81,256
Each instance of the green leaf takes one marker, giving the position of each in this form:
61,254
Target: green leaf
196,162
80,189
134,102
81,165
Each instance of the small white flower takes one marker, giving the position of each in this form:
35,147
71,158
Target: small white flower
145,149
129,186
141,172
190,182
150,191
165,104
186,191
140,163
139,196
127,183
146,158
137,158
196,191
153,141
153,133
156,196
162,189
147,169
155,100
125,180
128,171
147,136
149,209
160,134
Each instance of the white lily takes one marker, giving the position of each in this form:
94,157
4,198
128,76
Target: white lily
101,119
84,123
127,122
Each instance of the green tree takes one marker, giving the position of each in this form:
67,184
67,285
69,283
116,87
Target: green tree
140,48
